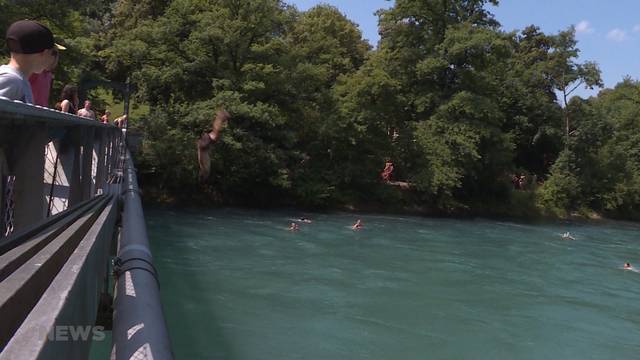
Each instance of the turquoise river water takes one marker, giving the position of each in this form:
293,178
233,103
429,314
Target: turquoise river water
237,285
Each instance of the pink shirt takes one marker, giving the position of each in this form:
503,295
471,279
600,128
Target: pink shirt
41,86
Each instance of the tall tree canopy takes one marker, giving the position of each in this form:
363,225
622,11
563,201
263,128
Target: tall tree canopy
461,107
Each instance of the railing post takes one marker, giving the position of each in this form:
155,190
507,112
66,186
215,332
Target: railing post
121,151
74,163
108,155
28,167
101,143
114,153
4,172
87,164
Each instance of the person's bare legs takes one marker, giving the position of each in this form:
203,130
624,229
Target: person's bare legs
204,159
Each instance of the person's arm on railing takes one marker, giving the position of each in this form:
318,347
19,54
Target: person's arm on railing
65,106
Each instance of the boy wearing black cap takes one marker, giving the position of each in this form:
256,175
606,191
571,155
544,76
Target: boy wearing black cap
32,50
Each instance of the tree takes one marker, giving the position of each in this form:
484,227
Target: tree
465,130
272,67
568,75
457,104
617,188
528,100
325,37
445,58
561,192
74,24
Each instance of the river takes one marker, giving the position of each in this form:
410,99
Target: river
237,285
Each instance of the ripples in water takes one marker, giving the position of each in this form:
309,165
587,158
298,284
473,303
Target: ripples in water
403,287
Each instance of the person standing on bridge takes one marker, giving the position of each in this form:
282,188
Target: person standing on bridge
41,83
121,121
105,117
32,50
68,102
86,111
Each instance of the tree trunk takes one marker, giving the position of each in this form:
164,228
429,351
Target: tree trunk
566,113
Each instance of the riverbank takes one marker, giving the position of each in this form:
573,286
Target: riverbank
521,207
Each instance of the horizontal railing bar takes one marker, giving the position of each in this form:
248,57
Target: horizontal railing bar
71,300
23,288
31,231
30,244
12,111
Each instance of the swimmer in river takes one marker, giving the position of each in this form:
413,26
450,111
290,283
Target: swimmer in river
358,225
567,236
627,266
294,227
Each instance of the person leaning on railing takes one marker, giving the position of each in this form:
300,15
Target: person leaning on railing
105,117
32,51
68,101
86,111
121,121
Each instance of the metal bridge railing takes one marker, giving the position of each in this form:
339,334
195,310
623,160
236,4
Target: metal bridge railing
33,188
68,195
139,328
54,284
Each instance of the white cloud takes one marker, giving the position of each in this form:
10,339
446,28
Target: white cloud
617,35
636,28
584,27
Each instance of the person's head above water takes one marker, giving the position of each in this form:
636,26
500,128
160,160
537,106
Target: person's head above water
627,265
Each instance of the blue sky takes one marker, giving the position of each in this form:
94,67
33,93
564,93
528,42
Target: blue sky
608,31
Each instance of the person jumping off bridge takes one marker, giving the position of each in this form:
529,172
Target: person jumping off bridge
203,144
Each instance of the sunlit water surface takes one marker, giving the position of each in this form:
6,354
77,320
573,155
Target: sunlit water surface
237,285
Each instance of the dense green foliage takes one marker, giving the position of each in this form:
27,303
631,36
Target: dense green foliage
76,24
457,104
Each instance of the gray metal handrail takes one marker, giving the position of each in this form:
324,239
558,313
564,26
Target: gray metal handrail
69,299
94,161
23,287
139,327
27,114
84,153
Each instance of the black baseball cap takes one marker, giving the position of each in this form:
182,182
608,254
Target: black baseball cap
30,37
